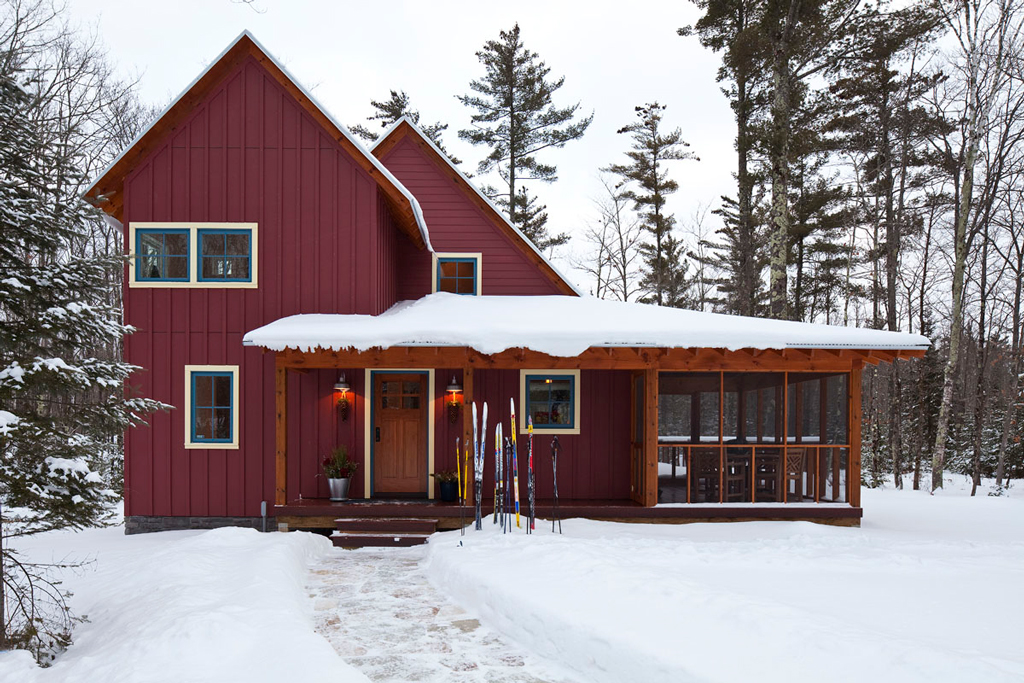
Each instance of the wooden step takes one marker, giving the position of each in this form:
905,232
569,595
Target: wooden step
372,539
386,525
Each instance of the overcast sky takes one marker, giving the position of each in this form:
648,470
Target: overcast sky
614,56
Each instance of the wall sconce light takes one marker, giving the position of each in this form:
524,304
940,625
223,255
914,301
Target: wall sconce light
454,392
341,389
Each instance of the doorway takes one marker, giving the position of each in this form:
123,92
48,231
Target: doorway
399,434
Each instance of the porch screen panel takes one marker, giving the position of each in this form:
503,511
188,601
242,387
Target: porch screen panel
837,408
751,402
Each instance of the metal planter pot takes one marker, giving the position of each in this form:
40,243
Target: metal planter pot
338,488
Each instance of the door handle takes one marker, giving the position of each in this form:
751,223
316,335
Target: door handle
376,434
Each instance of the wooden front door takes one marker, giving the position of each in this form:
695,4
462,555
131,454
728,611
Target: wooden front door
399,433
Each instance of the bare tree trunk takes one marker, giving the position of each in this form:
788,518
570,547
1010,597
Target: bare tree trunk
980,393
986,42
781,112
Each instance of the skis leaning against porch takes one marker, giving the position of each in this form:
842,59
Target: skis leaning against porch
506,473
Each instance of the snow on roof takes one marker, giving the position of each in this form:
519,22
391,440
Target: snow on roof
417,211
558,326
527,240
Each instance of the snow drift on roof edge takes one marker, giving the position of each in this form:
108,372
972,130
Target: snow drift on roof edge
563,326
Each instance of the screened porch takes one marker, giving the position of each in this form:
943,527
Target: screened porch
754,437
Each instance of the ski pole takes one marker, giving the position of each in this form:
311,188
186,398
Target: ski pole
554,472
458,474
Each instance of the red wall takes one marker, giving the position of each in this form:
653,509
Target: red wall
327,244
248,152
593,465
457,225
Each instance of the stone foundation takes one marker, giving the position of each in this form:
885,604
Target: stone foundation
143,524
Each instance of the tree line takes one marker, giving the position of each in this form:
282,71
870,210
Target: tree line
878,182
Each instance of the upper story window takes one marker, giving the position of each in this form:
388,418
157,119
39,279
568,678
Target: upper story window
198,255
551,398
163,255
211,398
457,273
225,255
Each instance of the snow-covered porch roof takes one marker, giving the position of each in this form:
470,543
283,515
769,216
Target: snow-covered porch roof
564,326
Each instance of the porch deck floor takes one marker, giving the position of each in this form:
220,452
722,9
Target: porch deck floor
619,510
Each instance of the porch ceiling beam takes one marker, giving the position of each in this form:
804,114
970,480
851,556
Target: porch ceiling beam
594,358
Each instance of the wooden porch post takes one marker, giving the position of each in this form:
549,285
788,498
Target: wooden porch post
467,408
281,463
853,469
651,437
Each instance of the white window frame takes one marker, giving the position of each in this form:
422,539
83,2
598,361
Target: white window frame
577,418
476,256
189,443
193,281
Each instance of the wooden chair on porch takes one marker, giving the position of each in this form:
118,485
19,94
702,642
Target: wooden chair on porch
737,476
705,484
796,465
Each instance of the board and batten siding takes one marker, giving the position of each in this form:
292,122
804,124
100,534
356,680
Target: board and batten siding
458,225
593,465
248,153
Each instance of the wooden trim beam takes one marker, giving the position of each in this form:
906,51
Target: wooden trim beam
281,433
594,358
853,466
650,469
467,408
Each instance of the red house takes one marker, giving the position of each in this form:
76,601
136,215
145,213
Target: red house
274,258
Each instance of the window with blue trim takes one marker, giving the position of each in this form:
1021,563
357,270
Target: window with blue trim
162,255
551,401
212,407
225,255
456,275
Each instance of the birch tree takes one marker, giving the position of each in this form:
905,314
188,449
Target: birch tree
987,34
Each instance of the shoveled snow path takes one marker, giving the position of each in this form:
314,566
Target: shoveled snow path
381,614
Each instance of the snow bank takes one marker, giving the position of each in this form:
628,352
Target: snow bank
223,605
558,326
900,599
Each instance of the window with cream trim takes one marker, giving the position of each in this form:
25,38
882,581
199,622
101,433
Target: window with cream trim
211,406
457,273
193,255
552,399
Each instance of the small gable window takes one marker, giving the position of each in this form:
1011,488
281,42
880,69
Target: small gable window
551,399
162,255
225,255
458,274
212,397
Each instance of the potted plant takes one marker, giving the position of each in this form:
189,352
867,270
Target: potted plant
448,483
339,469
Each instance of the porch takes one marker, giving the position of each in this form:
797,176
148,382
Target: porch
324,514
649,431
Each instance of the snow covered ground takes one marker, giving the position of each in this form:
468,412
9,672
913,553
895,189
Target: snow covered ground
223,605
927,589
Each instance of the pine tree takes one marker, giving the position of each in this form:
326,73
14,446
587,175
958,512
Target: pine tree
394,108
515,118
731,27
62,390
647,184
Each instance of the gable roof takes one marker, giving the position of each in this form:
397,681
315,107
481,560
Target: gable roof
403,128
106,192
